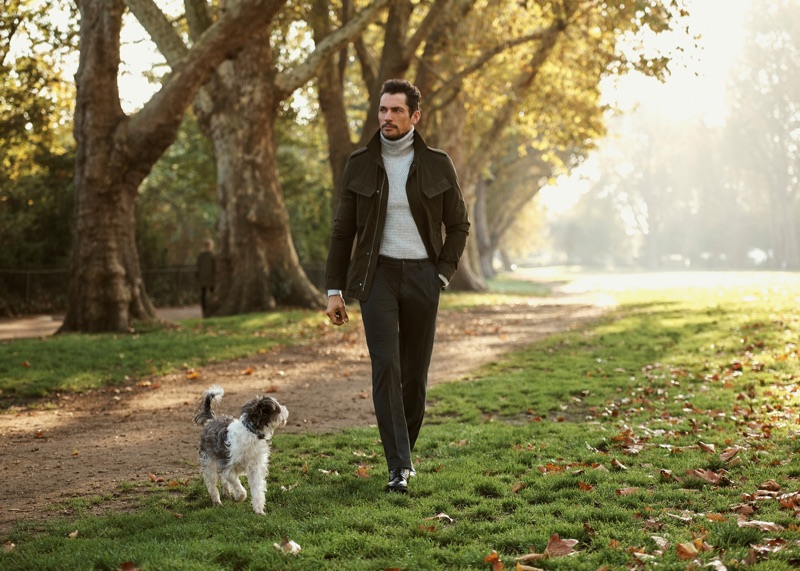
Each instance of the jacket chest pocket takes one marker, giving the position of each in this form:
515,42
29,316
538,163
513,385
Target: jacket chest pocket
433,194
437,188
367,197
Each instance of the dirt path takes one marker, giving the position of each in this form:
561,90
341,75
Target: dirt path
86,445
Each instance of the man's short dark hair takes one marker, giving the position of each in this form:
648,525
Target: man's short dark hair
413,96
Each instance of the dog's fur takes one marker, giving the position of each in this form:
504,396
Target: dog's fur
230,447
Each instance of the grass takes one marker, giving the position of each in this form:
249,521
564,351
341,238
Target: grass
641,438
32,368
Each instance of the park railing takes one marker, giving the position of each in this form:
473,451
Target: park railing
46,290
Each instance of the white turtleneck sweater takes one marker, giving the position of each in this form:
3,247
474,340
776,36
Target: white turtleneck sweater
401,238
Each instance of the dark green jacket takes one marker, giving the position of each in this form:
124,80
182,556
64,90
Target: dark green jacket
436,204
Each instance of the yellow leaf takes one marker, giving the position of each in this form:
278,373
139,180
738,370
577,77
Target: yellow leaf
686,551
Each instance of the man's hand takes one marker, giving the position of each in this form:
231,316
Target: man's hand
336,310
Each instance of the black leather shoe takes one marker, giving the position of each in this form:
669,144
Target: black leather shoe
398,480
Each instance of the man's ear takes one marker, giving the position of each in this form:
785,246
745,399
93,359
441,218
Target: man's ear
415,117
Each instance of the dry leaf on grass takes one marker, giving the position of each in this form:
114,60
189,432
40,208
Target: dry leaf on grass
443,517
762,525
287,546
494,559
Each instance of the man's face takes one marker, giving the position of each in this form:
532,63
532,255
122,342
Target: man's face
394,117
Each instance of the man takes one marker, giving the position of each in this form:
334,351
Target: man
206,273
397,196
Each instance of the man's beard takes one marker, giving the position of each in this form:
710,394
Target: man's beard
394,137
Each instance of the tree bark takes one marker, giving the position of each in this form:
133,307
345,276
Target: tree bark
115,153
258,266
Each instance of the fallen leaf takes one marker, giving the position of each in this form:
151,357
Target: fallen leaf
494,559
661,542
686,551
584,487
8,547
557,547
762,525
718,478
73,534
770,546
715,517
428,528
287,546
362,472
618,465
192,374
729,453
128,566
626,491
25,364
443,517
517,487
743,509
770,485
248,371
707,447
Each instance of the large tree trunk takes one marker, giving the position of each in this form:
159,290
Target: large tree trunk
330,93
483,232
258,266
115,153
106,290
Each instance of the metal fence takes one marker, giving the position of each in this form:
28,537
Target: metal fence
39,291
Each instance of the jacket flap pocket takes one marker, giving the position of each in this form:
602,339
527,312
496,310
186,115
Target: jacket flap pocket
360,188
438,188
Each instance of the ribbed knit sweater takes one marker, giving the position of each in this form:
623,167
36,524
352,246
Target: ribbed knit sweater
401,238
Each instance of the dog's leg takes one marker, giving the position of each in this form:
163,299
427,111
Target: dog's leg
234,485
257,480
209,470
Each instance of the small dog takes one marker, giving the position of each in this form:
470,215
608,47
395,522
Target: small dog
230,447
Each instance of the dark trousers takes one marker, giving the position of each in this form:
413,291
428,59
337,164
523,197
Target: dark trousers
400,323
205,291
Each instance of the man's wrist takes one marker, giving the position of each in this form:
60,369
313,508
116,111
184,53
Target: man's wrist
332,292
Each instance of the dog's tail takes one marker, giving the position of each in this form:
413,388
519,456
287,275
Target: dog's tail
211,397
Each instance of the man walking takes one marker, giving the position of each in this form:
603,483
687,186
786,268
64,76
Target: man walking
397,197
206,273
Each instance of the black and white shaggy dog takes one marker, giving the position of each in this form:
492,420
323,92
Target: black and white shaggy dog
230,447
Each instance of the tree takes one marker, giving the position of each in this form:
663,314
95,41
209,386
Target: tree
258,266
485,69
765,125
36,147
116,152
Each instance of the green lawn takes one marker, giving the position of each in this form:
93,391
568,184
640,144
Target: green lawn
662,437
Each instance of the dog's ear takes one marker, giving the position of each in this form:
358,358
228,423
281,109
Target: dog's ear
261,411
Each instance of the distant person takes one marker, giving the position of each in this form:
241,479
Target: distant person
206,273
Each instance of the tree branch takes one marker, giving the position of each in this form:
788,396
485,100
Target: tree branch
223,40
290,80
425,28
161,31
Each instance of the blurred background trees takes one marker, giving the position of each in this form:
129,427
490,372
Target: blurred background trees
511,90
